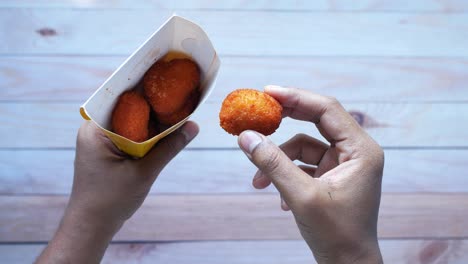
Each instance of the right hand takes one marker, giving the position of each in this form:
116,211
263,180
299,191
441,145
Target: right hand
335,201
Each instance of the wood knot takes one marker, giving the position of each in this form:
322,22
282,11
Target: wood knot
358,116
46,32
403,21
364,120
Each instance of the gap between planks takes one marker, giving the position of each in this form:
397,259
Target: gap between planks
252,252
249,217
30,172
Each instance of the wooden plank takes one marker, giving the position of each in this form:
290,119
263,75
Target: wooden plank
121,31
54,125
320,5
370,79
242,252
53,78
234,217
31,172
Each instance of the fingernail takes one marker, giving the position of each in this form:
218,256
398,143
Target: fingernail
249,140
275,89
257,176
189,130
284,205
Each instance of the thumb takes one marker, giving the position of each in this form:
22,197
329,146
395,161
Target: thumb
165,150
289,179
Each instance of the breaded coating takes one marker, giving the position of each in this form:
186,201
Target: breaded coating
186,110
131,116
168,85
248,109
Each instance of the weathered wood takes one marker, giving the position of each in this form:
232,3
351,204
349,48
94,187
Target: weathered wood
254,252
369,78
234,217
121,31
401,63
45,125
227,171
53,78
319,5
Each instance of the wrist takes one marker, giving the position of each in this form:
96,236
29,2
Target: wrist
365,253
368,255
80,238
77,223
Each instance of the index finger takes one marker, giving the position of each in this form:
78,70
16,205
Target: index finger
332,120
91,139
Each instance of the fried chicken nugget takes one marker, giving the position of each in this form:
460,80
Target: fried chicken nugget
186,110
168,85
248,109
131,116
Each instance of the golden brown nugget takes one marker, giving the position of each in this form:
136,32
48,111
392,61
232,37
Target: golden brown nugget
186,110
249,109
131,116
168,85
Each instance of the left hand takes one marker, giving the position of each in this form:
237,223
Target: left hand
108,187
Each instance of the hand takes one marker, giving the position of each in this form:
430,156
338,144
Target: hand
108,187
335,197
111,185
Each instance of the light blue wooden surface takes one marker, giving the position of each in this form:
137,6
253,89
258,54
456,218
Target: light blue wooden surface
401,63
251,33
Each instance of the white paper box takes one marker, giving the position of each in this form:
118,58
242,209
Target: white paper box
176,34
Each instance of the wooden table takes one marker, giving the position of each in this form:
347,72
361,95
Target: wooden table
400,65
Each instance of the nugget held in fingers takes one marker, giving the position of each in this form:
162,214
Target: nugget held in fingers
168,85
131,116
248,109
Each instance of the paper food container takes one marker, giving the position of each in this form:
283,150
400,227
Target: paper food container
176,34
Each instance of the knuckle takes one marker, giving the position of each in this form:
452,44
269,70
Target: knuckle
331,101
294,95
295,140
294,91
379,154
310,197
88,135
81,133
374,156
374,148
309,200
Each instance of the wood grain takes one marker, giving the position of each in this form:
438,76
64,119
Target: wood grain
45,125
121,31
225,217
400,65
35,172
369,78
252,252
319,5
